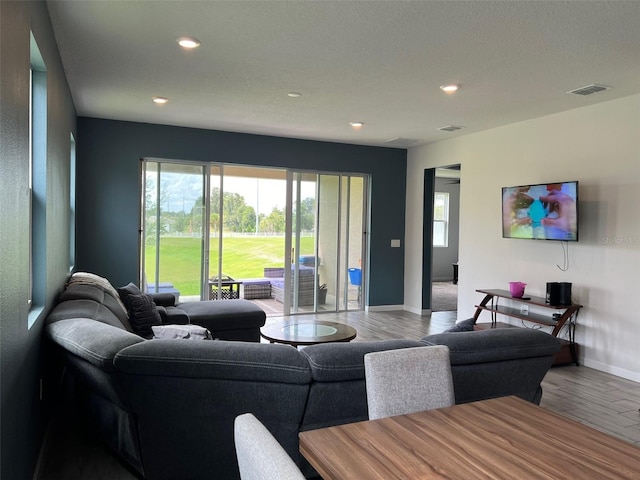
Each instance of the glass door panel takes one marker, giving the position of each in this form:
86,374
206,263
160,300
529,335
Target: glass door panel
172,246
328,237
353,218
305,261
247,227
213,266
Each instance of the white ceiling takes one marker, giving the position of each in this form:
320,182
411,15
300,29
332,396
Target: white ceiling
379,62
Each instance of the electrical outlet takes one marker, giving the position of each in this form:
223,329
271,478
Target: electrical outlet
524,309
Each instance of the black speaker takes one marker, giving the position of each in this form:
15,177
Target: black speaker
558,293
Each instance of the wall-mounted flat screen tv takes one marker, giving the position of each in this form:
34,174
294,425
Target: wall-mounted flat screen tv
546,211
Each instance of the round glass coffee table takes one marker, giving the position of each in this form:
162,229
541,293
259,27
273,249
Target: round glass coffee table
294,332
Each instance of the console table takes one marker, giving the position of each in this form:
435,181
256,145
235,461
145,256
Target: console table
567,316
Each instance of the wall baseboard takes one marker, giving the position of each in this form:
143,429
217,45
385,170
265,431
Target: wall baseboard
618,372
383,308
417,311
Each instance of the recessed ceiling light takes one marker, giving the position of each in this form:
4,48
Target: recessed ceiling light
160,100
356,125
188,42
294,94
449,89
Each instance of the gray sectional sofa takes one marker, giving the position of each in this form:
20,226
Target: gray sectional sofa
167,406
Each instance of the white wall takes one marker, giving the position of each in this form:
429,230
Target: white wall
597,145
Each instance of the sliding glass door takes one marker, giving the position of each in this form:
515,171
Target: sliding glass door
292,241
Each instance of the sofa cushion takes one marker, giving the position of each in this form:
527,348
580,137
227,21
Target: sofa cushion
220,315
143,314
86,278
89,309
111,309
337,362
237,361
494,345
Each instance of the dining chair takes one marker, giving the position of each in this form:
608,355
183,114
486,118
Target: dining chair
260,456
408,380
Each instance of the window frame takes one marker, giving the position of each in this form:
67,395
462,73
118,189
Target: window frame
445,197
38,118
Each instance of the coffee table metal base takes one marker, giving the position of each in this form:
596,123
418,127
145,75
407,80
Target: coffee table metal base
293,332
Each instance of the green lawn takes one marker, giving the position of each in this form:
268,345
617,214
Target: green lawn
243,257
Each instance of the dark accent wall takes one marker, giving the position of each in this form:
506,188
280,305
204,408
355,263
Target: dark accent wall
108,193
23,366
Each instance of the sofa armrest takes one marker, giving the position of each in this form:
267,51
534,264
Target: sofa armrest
164,299
173,316
95,342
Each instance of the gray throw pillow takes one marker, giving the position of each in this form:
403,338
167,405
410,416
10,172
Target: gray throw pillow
143,314
126,291
463,326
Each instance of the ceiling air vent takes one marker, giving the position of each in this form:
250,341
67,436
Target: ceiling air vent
450,128
401,142
589,89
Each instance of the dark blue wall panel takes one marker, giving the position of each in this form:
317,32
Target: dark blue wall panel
109,154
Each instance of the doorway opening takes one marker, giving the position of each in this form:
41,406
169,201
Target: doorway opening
445,206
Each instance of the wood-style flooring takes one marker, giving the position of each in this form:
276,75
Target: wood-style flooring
603,401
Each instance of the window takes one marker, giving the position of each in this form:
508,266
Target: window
72,203
37,181
441,219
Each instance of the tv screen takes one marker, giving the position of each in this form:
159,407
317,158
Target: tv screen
547,211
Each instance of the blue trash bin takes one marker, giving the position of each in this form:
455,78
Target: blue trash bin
355,276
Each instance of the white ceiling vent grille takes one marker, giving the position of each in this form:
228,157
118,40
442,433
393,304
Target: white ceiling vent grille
401,142
450,128
589,89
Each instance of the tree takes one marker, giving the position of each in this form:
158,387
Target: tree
151,211
236,211
238,216
274,223
308,214
194,223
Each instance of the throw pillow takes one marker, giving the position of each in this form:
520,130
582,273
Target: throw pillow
463,326
143,314
126,291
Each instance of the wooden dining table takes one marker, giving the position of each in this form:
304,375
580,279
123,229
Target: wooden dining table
501,438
